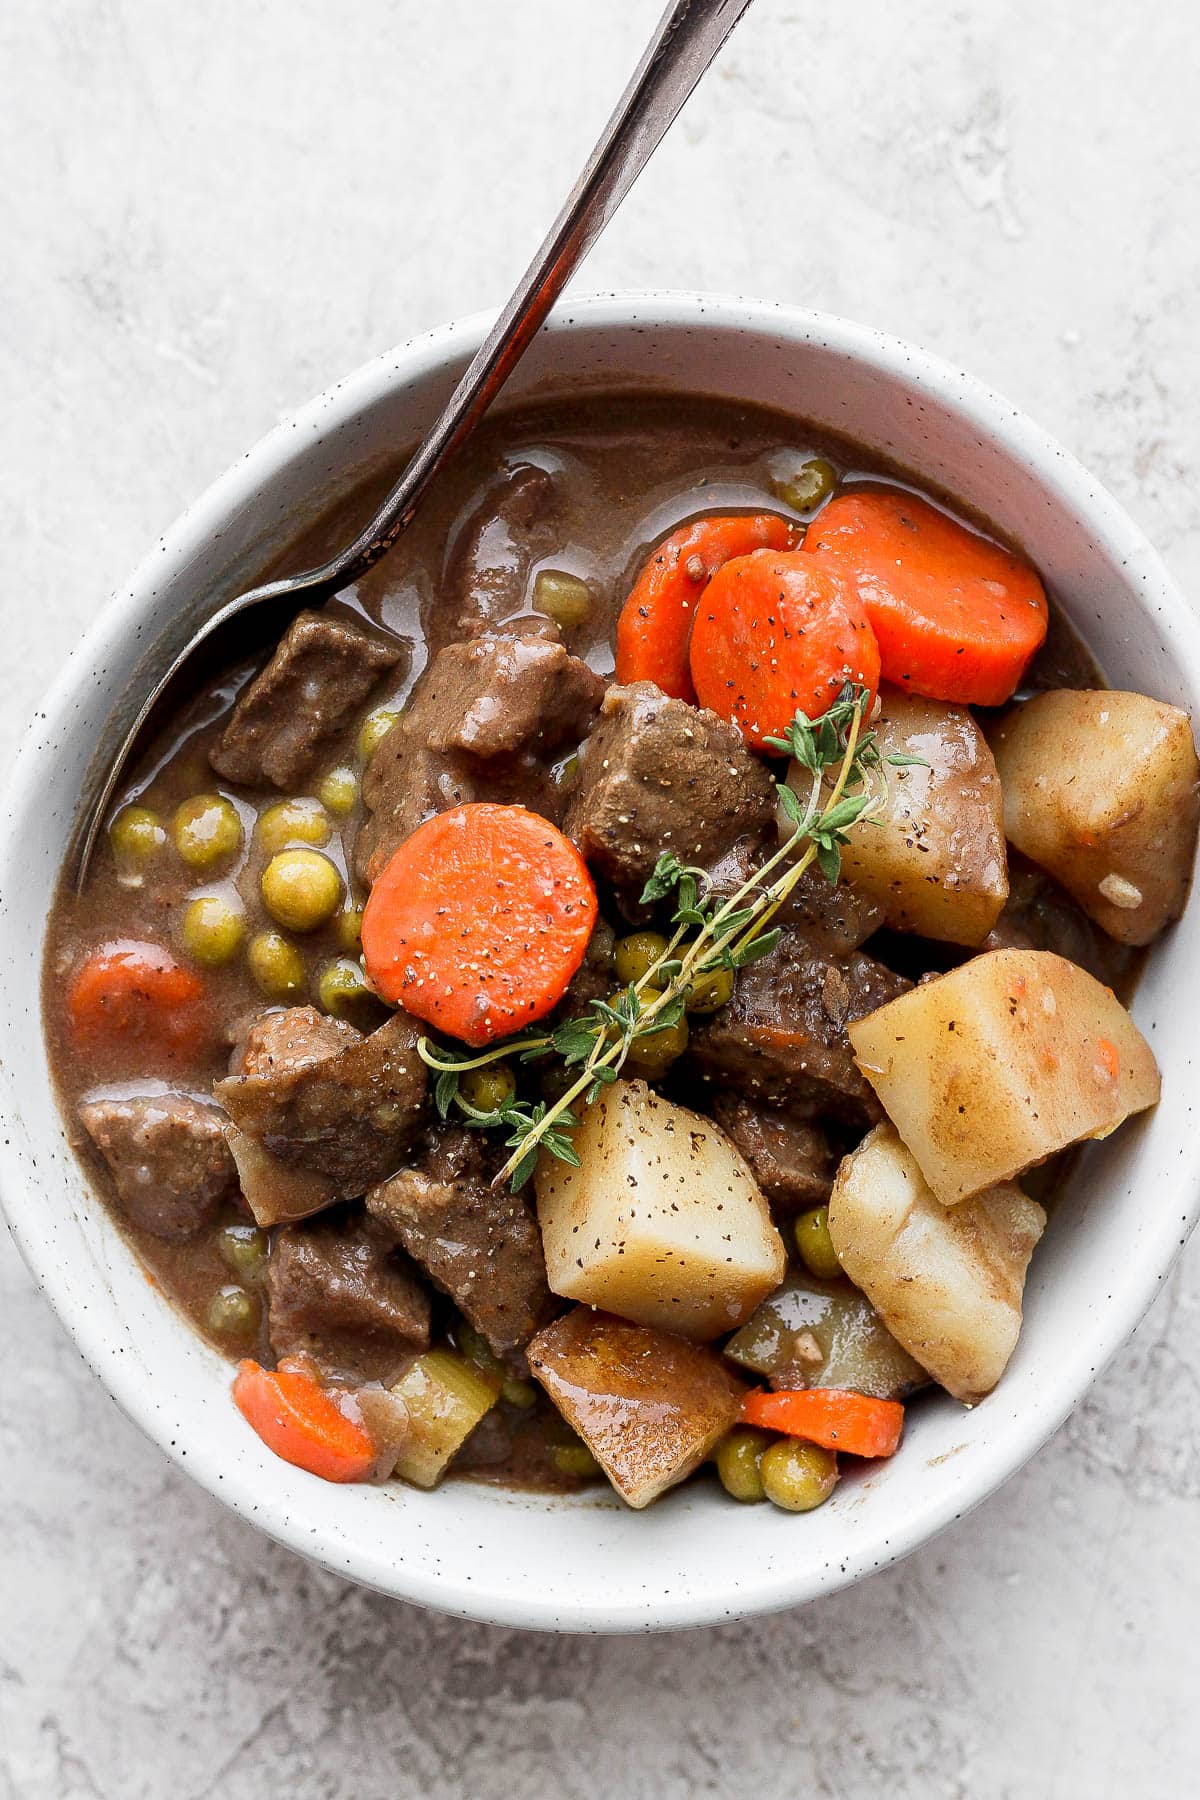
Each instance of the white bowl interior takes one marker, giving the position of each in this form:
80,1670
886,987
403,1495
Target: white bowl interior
587,1563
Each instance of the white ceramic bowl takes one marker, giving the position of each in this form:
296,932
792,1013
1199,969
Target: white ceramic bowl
583,1563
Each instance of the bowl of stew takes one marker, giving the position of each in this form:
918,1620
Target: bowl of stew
633,1067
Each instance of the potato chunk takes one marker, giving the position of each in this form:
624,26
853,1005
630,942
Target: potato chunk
648,1405
662,1222
824,1334
1103,790
995,1066
947,1284
936,860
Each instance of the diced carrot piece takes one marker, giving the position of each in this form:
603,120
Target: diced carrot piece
776,634
655,625
833,1417
957,617
479,920
299,1421
133,994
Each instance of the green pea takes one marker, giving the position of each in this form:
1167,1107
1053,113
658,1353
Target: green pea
810,486
576,1460
653,1054
564,773
301,889
347,928
207,830
475,1347
342,988
738,1456
710,991
637,954
213,930
798,1476
338,791
487,1089
564,598
815,1244
244,1249
232,1312
137,836
293,822
375,728
519,1393
276,966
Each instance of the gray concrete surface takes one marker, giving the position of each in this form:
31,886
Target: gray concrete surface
211,211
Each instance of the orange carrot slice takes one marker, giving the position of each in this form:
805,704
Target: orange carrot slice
656,621
299,1421
133,994
830,1416
957,617
776,633
478,921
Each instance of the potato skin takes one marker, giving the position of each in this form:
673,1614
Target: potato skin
936,862
993,1067
1100,784
648,1405
947,1282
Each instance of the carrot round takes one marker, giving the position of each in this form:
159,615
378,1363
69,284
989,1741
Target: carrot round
298,1421
478,921
833,1417
656,620
132,993
957,617
776,633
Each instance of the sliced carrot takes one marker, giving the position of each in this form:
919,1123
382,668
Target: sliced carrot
656,620
479,920
298,1420
957,617
135,994
834,1417
776,633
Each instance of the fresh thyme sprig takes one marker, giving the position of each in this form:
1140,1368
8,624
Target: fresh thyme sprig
709,933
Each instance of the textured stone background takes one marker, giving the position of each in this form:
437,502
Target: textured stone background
211,211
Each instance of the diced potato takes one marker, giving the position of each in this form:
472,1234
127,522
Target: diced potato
995,1066
648,1405
936,860
662,1222
1103,790
948,1283
824,1334
446,1397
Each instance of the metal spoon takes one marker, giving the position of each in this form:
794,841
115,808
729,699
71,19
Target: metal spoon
687,39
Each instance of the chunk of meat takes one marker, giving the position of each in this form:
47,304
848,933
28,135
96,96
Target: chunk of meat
168,1159
488,567
477,1243
833,918
792,1160
290,1038
483,723
493,696
781,1040
658,774
323,669
349,1115
337,1292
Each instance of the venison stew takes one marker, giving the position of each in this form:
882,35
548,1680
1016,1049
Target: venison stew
616,991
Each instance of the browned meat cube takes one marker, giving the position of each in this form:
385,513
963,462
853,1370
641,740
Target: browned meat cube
792,1160
322,670
484,722
657,774
490,563
477,1243
781,1041
168,1159
339,1293
293,1037
348,1116
649,1406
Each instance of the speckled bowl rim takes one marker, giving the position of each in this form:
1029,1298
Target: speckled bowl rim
1067,485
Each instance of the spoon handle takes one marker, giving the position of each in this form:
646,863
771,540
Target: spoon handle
685,42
